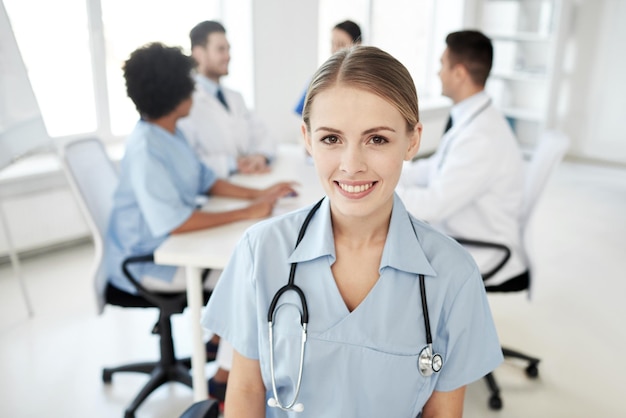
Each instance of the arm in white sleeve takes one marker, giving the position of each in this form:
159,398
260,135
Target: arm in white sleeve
415,173
465,173
261,141
222,164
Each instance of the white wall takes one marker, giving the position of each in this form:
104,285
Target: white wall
37,216
594,94
285,58
285,32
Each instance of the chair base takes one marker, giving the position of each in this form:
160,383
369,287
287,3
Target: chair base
160,373
202,409
532,371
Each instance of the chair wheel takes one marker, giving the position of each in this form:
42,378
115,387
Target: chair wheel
532,371
495,402
107,375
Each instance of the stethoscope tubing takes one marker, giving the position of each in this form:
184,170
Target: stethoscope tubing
292,275
426,366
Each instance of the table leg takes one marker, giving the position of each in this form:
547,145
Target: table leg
198,358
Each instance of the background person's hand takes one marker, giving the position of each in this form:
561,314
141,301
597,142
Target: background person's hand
262,207
252,164
282,189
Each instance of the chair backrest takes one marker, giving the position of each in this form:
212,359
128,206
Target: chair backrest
549,151
93,179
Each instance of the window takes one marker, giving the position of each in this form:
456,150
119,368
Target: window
413,31
130,24
332,12
74,51
56,54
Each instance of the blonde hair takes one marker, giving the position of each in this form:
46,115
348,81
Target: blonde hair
370,69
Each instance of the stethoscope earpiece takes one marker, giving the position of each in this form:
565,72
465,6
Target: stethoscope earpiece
273,403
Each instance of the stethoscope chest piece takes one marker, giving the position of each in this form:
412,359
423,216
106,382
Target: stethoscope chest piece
429,363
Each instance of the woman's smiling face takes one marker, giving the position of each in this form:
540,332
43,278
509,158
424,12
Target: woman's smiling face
358,141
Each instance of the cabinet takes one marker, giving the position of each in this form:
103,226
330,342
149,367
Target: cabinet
528,37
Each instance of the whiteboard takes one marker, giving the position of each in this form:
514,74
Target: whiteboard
22,130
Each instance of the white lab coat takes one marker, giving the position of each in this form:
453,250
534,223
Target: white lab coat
472,186
220,136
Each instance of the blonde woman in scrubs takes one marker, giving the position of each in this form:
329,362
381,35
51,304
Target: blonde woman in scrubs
359,265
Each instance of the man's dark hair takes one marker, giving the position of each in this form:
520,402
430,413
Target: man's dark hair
199,35
473,50
351,29
158,78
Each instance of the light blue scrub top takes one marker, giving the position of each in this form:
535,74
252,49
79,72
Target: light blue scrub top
160,178
361,363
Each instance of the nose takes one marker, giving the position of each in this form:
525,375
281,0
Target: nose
353,159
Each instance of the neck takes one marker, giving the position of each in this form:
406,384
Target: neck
167,122
357,232
213,77
467,91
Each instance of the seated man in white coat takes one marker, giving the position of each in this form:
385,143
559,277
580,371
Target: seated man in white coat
224,133
471,187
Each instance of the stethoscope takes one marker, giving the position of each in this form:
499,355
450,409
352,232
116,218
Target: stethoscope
427,362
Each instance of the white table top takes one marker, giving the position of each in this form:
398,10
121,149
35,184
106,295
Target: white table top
212,248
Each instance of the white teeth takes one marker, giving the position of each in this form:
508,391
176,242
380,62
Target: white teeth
355,189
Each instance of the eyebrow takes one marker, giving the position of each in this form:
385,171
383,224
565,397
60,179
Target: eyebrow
366,132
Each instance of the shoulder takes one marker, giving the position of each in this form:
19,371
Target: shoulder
278,228
149,142
489,129
492,120
232,94
451,261
200,100
139,140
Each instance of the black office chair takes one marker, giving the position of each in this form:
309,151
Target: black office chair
548,153
208,408
93,178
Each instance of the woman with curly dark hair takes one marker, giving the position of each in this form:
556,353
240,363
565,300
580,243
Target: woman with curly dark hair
161,176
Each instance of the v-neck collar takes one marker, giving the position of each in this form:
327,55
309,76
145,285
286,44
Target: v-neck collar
402,250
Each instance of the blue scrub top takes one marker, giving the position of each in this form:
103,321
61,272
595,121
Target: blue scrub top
160,178
364,362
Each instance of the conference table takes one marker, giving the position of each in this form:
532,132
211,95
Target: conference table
211,248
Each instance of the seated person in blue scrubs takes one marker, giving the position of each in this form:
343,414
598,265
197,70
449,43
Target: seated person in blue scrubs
344,35
396,317
160,175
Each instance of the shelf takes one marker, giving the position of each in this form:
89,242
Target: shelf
536,77
527,44
520,37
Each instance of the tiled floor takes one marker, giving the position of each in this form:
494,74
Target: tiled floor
50,365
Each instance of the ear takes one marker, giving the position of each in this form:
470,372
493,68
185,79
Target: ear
460,72
307,138
414,142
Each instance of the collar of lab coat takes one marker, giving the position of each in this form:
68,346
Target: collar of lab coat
465,109
402,249
208,86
